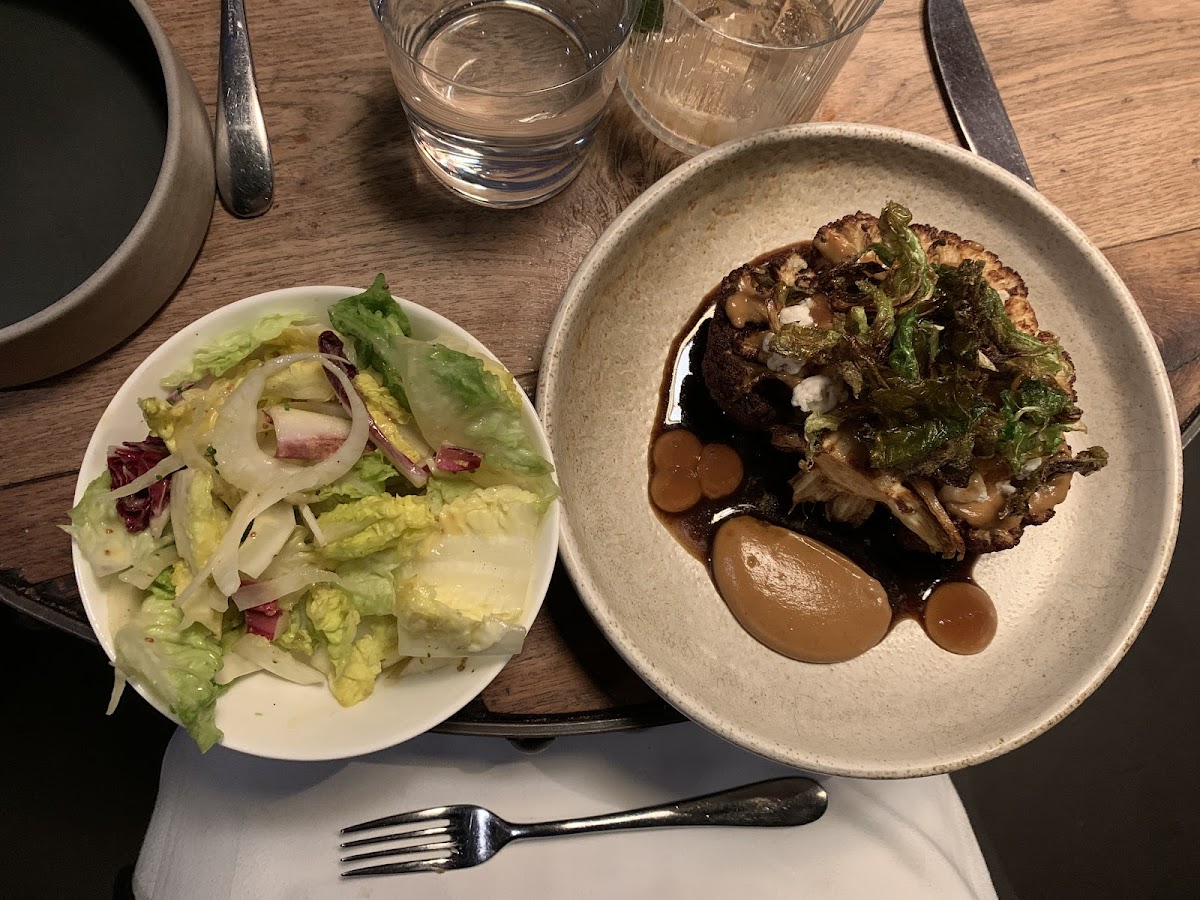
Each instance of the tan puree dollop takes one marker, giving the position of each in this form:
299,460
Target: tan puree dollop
796,595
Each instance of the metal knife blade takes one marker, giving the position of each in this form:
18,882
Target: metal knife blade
969,87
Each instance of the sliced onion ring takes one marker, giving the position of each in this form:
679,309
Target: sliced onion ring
261,592
161,470
311,521
268,533
268,480
276,660
234,436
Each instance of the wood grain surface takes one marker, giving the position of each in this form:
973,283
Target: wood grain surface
1102,95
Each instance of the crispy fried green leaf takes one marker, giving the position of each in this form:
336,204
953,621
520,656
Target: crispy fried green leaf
856,322
1085,462
806,343
937,374
910,277
926,336
903,356
978,312
1035,417
922,427
884,325
852,375
817,425
905,447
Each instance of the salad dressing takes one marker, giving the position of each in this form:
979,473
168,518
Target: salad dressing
908,578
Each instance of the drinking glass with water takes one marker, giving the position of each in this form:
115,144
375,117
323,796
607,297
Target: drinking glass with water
503,96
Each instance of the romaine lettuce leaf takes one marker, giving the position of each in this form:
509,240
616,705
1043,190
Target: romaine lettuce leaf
456,397
100,534
357,646
205,518
366,478
298,636
356,671
177,664
304,380
457,401
333,615
372,320
465,591
222,355
389,417
371,524
501,510
206,604
186,425
430,628
371,582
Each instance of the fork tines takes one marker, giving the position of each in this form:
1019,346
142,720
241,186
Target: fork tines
403,868
421,815
413,865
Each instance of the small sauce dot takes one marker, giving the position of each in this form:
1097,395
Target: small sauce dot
720,471
960,617
674,491
677,449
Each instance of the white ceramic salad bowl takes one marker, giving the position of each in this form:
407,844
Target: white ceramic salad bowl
261,714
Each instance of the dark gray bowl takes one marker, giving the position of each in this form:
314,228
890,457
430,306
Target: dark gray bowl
108,179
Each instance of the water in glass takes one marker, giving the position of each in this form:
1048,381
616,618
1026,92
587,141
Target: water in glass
503,96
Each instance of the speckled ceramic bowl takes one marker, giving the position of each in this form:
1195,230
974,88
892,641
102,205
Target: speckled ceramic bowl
1071,598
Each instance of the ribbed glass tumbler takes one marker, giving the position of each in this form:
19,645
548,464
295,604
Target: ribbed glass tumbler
702,72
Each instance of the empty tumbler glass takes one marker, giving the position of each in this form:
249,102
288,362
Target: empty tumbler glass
701,72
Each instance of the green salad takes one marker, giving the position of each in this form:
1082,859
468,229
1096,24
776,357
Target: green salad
324,501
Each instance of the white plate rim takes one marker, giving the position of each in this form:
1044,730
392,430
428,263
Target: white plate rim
553,360
227,318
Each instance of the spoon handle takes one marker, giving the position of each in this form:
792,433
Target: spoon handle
778,802
245,176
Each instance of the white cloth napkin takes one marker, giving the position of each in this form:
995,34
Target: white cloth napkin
229,825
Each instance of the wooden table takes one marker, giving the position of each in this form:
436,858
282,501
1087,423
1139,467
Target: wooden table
1102,95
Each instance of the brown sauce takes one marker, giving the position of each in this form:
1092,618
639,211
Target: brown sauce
907,577
1050,495
746,304
683,470
979,504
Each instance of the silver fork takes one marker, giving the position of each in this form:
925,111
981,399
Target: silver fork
472,835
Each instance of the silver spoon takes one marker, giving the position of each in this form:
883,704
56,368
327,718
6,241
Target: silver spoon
245,175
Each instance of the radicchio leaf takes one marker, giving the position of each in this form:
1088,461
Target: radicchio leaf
263,620
129,461
457,459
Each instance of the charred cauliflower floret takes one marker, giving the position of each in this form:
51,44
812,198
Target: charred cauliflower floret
904,365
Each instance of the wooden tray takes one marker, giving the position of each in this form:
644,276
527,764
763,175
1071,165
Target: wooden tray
352,199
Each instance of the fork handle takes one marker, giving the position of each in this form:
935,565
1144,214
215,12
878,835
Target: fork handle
780,801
